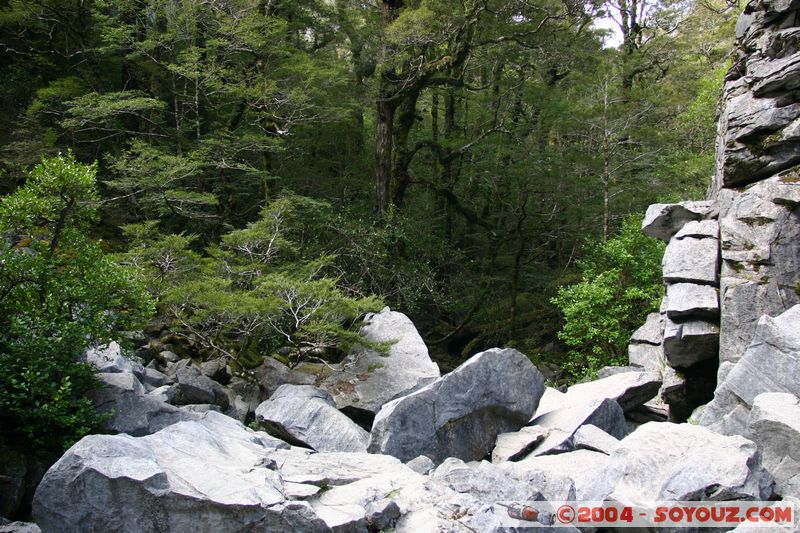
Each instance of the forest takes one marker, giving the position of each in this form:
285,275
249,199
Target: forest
249,177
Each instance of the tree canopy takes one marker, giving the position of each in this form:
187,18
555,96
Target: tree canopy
449,158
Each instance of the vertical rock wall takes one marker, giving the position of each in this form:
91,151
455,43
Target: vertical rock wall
736,256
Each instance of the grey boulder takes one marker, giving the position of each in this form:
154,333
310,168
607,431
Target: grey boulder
689,300
592,438
122,397
109,359
650,332
663,221
770,364
271,374
561,477
515,445
306,416
760,241
195,388
171,481
691,260
646,357
680,462
461,414
628,389
366,379
484,481
774,424
561,424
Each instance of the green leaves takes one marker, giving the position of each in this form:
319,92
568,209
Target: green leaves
620,284
58,294
264,287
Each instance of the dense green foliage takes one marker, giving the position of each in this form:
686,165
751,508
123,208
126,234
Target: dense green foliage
58,293
620,283
448,157
254,292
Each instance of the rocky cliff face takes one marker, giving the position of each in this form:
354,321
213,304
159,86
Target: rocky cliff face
724,351
732,265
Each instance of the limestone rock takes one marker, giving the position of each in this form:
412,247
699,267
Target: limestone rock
771,362
774,424
421,465
592,438
109,359
688,300
561,424
271,374
195,388
368,380
702,229
551,400
662,221
516,445
154,379
563,476
688,343
691,260
170,481
665,461
19,527
650,332
646,357
484,481
461,414
132,411
760,240
306,416
629,389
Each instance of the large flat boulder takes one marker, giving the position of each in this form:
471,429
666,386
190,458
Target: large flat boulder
366,379
170,481
663,221
484,480
774,424
461,414
561,424
214,475
517,444
306,416
592,438
558,477
680,462
551,400
628,389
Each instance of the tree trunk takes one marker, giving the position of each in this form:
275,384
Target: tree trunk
384,139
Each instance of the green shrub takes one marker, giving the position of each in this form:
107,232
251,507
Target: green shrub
58,294
620,284
258,291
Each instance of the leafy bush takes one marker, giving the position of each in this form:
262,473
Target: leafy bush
58,294
256,292
620,284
